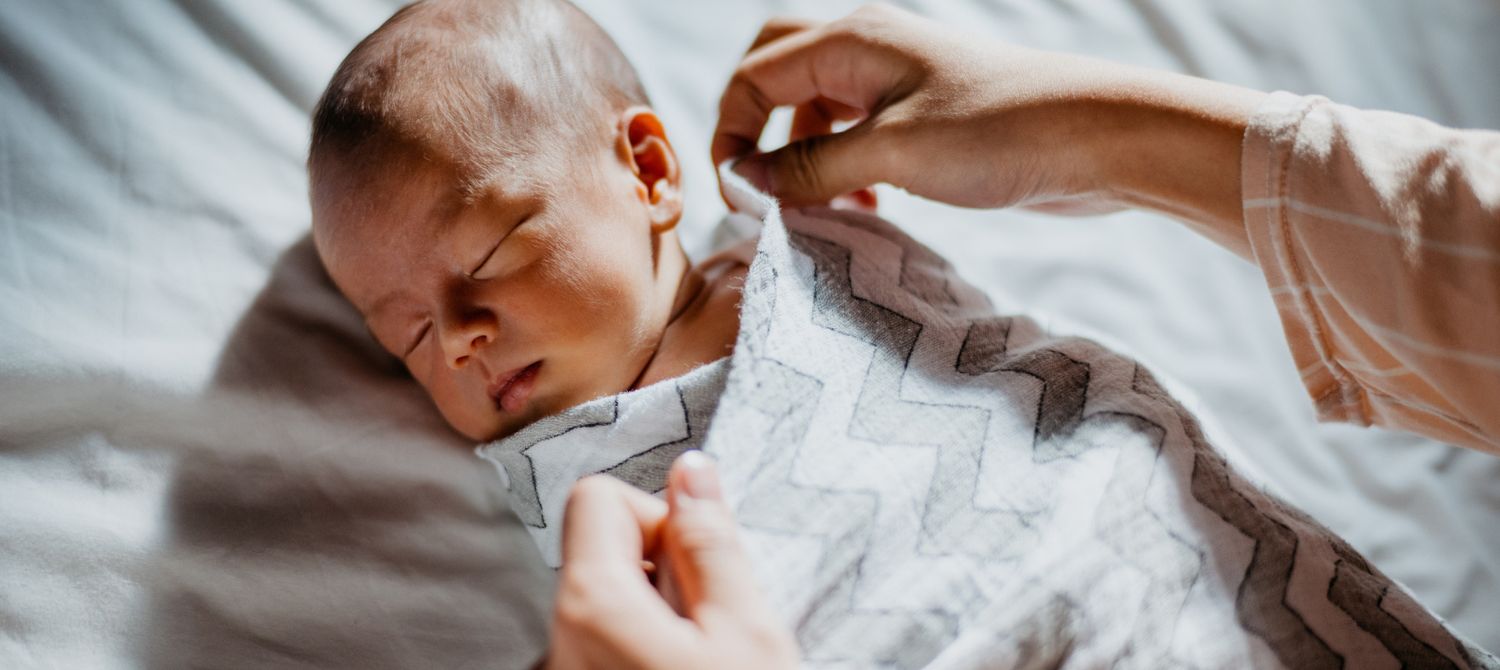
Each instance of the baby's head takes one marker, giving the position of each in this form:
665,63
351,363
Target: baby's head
492,191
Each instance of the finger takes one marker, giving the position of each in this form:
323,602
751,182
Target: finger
780,26
815,170
608,521
774,29
795,69
810,120
713,573
600,621
605,607
817,116
863,200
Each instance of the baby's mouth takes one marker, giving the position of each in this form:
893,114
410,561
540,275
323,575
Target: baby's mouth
511,390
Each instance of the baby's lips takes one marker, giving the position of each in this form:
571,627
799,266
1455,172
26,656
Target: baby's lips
498,385
515,393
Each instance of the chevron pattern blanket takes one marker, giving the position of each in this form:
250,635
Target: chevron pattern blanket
923,483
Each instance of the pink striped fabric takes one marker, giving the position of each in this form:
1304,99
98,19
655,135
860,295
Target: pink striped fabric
1379,235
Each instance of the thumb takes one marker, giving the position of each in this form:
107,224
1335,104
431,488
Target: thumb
709,565
815,170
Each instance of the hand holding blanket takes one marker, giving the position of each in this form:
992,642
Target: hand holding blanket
607,614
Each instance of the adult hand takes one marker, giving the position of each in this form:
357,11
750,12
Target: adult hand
608,614
980,123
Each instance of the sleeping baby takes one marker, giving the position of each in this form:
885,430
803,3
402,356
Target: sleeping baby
492,190
920,481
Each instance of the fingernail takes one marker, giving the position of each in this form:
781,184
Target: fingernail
700,479
755,170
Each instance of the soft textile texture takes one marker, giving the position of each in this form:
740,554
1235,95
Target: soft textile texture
1379,234
924,483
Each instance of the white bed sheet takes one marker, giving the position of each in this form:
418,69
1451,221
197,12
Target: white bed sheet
203,460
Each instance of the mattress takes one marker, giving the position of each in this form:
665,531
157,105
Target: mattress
204,460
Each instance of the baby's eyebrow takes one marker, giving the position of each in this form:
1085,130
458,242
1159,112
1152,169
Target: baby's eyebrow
446,211
378,307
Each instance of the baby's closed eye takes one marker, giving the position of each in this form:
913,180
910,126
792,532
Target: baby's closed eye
488,268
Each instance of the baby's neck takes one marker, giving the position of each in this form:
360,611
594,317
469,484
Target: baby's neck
705,317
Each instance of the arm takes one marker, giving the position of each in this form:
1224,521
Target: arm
979,123
1397,324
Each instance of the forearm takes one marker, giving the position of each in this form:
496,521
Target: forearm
1171,143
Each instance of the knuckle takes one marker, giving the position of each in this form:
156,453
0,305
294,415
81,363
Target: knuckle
847,29
577,617
773,26
768,32
745,98
778,27
878,24
580,602
572,608
741,74
742,83
874,12
736,83
569,613
781,25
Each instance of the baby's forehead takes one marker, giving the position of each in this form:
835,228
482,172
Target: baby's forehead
466,82
490,88
409,209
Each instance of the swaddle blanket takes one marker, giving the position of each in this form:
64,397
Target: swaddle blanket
922,483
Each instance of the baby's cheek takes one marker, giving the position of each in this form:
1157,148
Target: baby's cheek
583,293
591,306
455,411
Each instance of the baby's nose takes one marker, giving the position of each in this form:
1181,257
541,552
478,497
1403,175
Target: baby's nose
462,359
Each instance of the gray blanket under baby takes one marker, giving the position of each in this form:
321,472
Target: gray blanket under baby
922,483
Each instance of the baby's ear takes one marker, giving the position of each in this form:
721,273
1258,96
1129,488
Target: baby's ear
659,180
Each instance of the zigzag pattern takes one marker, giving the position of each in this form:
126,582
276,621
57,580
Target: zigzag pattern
1060,409
933,470
589,428
648,469
520,470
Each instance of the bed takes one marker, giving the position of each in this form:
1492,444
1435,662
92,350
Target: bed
205,461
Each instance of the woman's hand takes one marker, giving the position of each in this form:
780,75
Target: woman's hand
608,614
980,123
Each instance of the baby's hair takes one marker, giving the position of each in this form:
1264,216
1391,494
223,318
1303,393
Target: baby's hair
472,84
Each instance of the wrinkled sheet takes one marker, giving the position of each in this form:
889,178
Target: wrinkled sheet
205,461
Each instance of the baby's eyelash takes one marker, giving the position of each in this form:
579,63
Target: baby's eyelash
487,256
418,339
470,274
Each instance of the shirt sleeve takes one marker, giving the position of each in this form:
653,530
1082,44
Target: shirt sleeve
1379,236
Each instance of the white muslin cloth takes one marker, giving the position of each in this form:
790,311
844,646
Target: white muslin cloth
923,483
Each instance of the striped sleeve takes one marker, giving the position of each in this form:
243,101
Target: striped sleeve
1379,236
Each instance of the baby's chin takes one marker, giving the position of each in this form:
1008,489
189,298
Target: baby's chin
503,424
